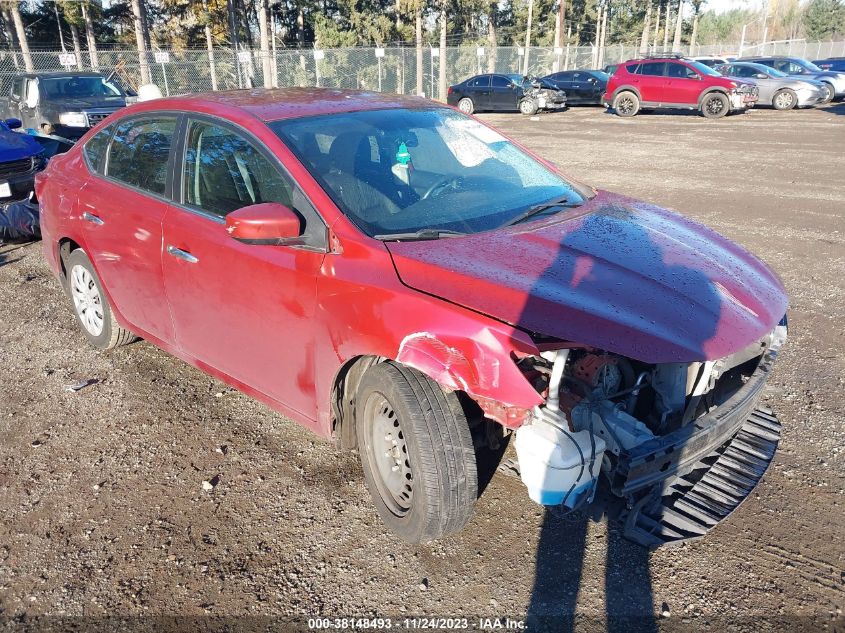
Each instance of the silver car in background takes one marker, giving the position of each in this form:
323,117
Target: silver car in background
777,89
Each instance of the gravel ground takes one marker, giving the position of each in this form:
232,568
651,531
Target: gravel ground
102,497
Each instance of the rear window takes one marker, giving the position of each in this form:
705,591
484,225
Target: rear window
95,149
654,69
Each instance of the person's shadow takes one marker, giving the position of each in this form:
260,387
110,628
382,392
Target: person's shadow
581,272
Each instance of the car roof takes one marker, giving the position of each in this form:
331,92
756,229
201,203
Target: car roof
55,74
286,103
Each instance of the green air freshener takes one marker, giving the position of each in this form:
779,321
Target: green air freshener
403,157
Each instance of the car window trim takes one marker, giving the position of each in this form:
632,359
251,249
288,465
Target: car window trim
110,128
179,165
152,114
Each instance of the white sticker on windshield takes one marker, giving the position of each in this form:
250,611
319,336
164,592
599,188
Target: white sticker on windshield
481,132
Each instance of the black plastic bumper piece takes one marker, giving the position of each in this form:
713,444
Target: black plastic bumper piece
715,487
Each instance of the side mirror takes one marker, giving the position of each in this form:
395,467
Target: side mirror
761,76
13,124
267,223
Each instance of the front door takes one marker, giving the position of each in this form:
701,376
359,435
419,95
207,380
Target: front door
244,309
683,84
503,94
121,215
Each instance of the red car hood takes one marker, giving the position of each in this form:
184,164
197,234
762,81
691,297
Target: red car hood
617,274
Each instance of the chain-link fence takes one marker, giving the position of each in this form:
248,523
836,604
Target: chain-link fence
383,69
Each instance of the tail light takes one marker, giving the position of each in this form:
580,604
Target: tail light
451,90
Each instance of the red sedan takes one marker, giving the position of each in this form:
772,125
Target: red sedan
408,281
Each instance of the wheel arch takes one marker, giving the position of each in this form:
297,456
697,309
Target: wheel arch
625,88
709,91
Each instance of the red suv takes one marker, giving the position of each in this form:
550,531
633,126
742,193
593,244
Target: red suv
676,82
406,280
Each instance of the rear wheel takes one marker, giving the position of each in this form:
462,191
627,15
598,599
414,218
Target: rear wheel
626,104
785,99
715,105
92,308
466,105
528,106
416,451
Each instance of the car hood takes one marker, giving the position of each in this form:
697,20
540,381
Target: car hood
814,76
16,145
87,103
616,274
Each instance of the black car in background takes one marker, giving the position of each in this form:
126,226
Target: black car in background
505,92
582,87
836,64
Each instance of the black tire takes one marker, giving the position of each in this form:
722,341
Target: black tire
110,333
528,107
466,105
715,105
785,99
431,431
831,92
626,104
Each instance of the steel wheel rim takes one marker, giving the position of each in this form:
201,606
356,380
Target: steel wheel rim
465,106
388,454
525,107
87,300
783,100
715,105
828,93
625,105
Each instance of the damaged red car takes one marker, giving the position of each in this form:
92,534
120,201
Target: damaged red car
403,278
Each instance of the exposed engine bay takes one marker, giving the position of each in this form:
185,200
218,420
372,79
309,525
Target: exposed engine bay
602,408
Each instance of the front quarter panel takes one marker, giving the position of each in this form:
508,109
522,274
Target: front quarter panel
364,310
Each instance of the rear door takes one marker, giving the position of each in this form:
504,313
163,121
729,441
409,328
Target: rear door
478,89
503,94
652,82
243,309
122,206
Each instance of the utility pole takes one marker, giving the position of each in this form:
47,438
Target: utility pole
525,61
602,35
667,23
656,28
143,63
21,34
418,36
559,24
676,41
209,44
442,62
263,32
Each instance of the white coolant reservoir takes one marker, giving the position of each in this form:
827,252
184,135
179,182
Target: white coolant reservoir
558,467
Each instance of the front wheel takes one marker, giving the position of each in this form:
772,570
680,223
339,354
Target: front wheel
785,100
715,105
829,93
416,451
528,107
466,105
626,104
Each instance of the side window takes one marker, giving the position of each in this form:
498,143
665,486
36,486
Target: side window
500,82
654,69
634,69
224,172
17,87
95,149
794,69
139,151
479,82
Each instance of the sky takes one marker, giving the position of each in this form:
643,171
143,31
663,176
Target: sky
720,6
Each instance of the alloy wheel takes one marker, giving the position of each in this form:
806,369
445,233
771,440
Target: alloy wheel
625,105
783,101
714,105
87,300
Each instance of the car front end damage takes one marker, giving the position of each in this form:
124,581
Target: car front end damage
680,444
545,95
743,96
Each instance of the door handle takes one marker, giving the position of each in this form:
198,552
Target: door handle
93,219
183,255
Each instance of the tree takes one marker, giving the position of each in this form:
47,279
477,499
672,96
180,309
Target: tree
89,34
21,35
824,19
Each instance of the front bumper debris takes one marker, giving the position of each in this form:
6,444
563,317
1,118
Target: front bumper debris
714,488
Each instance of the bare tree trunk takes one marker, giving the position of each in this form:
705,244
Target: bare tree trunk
10,35
398,11
300,27
143,63
77,49
492,37
679,19
559,23
418,36
667,24
596,34
264,34
89,36
145,25
442,68
646,25
525,58
209,43
656,28
21,34
694,35
603,39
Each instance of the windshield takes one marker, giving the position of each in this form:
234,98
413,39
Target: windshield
78,87
808,66
402,171
704,69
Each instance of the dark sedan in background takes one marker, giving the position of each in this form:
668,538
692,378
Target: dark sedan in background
505,92
836,64
582,87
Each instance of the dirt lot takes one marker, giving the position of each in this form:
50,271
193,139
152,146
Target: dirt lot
101,491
